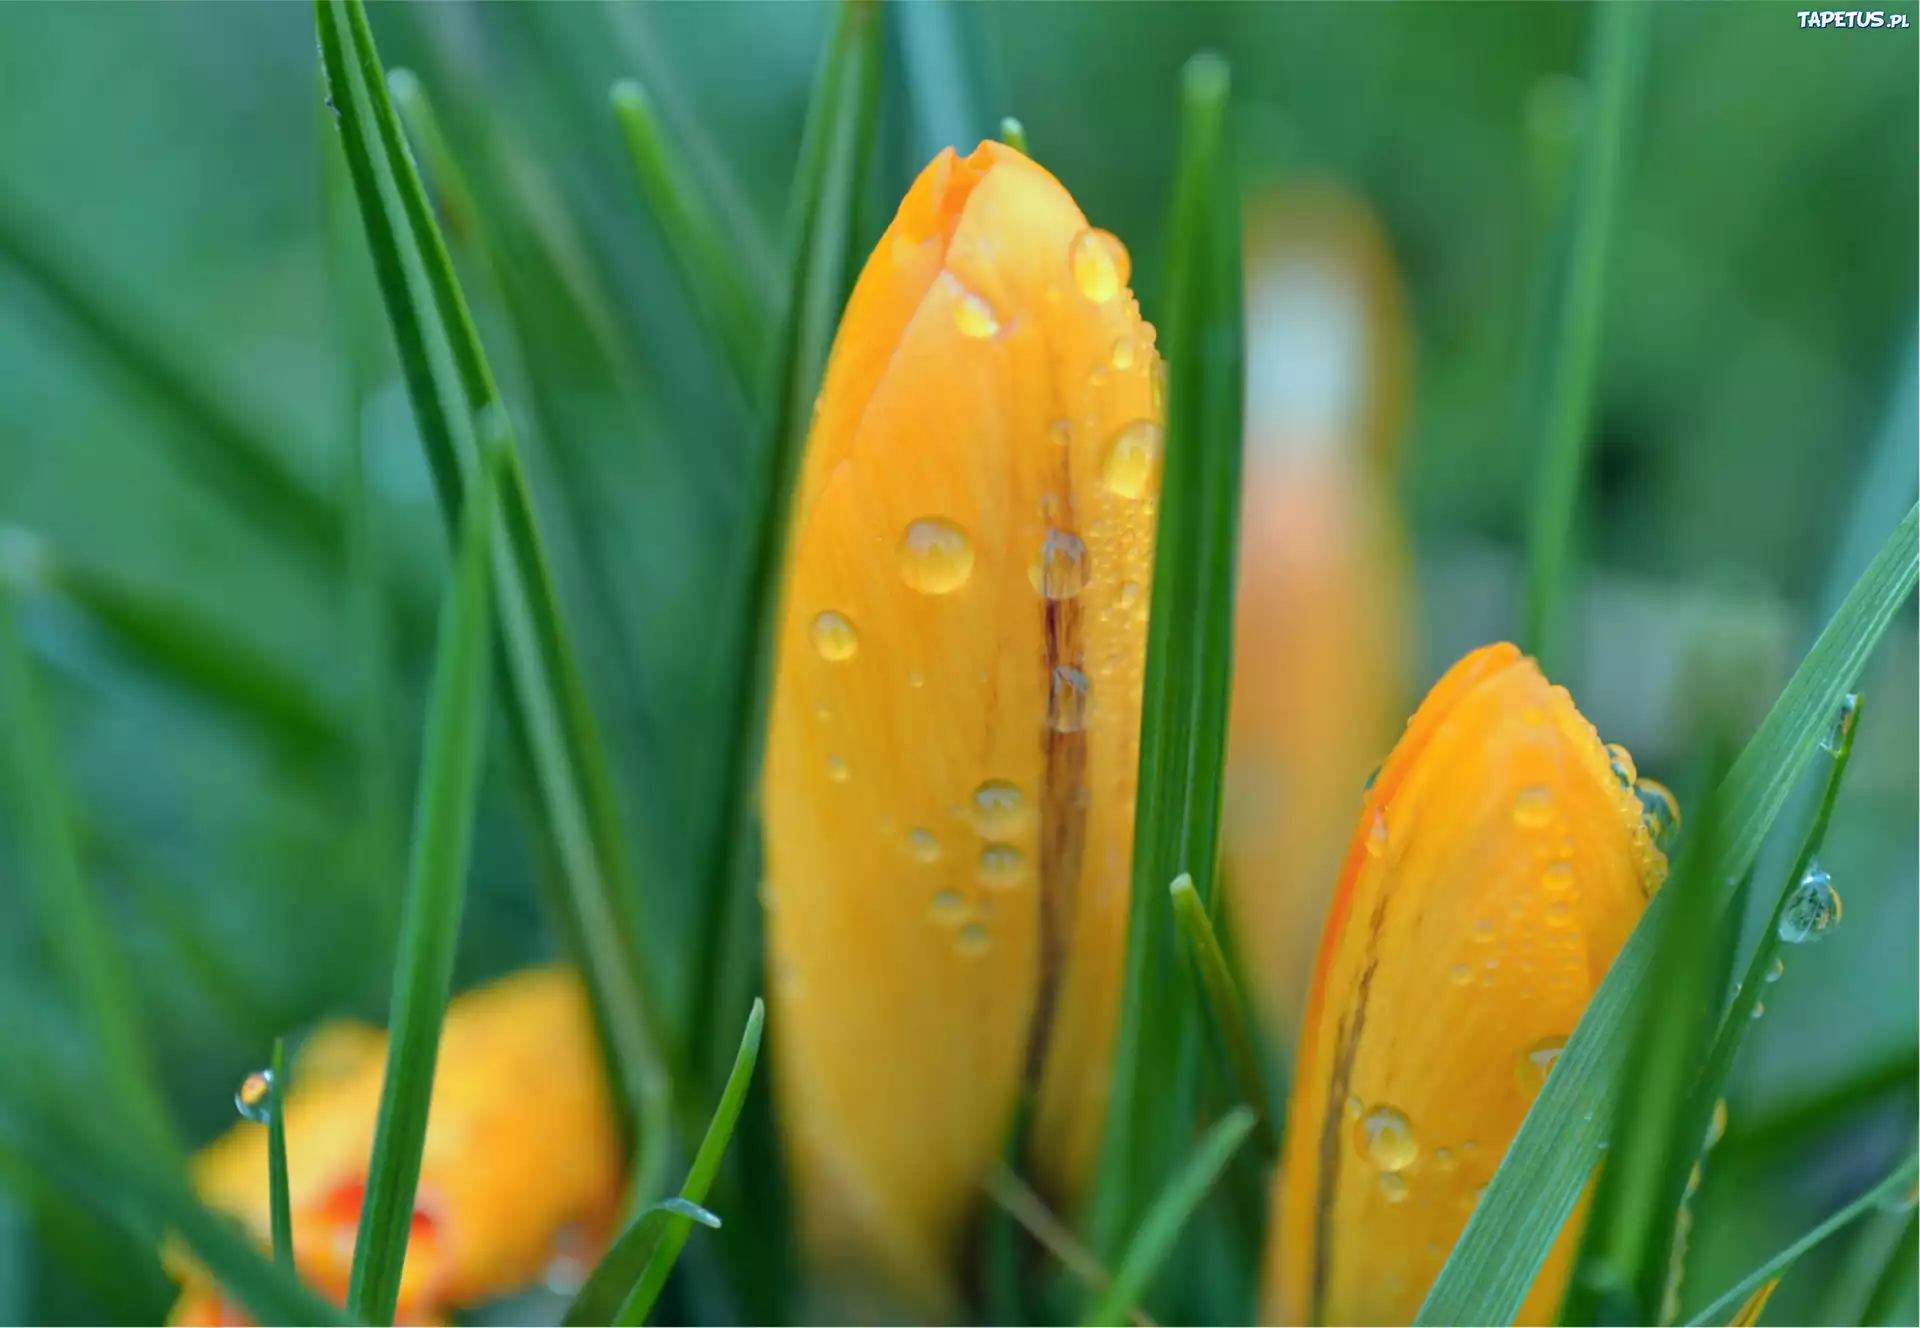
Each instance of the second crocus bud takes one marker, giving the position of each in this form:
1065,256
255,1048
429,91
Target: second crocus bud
955,728
1500,861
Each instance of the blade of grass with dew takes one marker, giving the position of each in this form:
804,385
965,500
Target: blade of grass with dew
70,917
1561,404
1169,1215
1622,1269
1890,1188
453,754
279,1198
202,657
840,127
552,719
213,436
1545,1169
708,267
1154,1095
1229,1011
627,1281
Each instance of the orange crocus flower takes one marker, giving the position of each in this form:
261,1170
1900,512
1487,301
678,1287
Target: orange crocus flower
1320,633
955,728
522,1155
1500,861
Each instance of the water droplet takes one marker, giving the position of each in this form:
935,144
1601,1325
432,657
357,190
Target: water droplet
1130,594
1812,908
1531,1067
1385,1138
254,1098
1377,836
1557,878
1001,866
834,636
1759,1010
1694,1179
1533,807
1443,1160
974,317
935,557
1558,911
1393,1187
1059,571
948,906
1061,431
1622,762
1482,929
915,681
567,1263
1716,1124
998,809
837,769
1660,810
1837,735
1070,700
971,940
1132,467
1460,974
1774,974
1097,259
922,844
1123,354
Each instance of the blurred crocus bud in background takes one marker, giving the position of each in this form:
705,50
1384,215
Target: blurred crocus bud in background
955,729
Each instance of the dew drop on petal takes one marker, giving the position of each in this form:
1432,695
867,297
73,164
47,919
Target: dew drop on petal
834,636
837,769
254,1098
1059,571
1531,1067
1621,760
1460,974
1385,1137
1660,810
1123,354
1557,878
1132,467
1533,807
1393,1187
1069,700
971,940
1355,1107
1061,431
947,906
973,317
1482,929
934,556
1001,866
1097,259
1377,836
1812,908
922,844
998,809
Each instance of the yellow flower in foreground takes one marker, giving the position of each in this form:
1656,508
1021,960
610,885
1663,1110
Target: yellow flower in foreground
1320,631
1498,865
955,727
522,1155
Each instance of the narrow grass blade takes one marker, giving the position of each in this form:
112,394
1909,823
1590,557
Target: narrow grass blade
552,720
1017,1200
1622,1270
941,93
1559,408
629,1279
711,272
213,437
69,914
1892,1298
1890,1189
1170,1213
1229,1011
1785,1130
1860,1273
1537,1184
430,916
1189,661
279,1198
838,136
1014,135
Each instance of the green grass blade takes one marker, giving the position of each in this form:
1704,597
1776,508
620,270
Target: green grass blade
1229,1011
1014,135
1188,669
1561,406
1890,1189
70,917
552,720
941,92
450,768
628,1280
708,267
839,133
1622,1270
213,437
279,1196
1169,1215
1537,1184
1891,1301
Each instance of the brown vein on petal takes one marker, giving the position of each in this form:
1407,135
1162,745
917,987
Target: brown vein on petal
1334,1119
1063,833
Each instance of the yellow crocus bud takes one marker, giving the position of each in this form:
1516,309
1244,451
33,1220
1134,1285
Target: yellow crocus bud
1500,861
952,751
1320,634
522,1163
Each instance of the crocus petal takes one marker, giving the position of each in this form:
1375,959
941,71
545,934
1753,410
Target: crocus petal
1498,865
955,725
522,1153
1319,637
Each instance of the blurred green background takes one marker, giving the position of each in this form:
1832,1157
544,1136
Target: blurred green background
1753,441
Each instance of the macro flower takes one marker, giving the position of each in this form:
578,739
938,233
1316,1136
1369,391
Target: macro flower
1500,860
522,1164
955,727
1321,629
